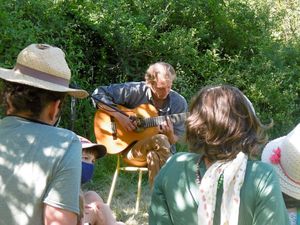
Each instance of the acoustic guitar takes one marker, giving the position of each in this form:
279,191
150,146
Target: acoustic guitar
111,134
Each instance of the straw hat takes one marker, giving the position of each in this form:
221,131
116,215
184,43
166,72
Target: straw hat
85,143
42,66
284,154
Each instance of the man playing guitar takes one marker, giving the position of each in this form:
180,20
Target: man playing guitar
156,95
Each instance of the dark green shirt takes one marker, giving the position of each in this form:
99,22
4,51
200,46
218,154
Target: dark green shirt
175,194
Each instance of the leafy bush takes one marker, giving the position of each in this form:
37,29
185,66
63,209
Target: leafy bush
243,43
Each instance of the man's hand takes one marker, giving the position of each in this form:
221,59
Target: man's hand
166,128
126,122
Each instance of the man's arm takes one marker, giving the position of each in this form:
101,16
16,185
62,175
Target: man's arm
56,216
128,124
106,96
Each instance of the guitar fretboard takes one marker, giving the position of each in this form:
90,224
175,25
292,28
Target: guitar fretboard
156,121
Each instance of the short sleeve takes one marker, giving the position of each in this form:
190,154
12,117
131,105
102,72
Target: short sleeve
64,185
158,211
270,206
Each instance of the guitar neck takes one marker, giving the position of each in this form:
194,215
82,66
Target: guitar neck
156,121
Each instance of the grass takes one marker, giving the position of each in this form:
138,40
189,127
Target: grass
124,198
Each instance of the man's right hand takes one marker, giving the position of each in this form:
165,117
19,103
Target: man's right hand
126,122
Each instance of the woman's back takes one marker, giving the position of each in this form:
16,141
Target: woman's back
225,133
175,200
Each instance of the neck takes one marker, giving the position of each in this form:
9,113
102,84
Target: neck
28,116
29,119
158,103
207,162
25,115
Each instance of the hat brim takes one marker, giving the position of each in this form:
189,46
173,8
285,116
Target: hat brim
287,186
101,149
16,77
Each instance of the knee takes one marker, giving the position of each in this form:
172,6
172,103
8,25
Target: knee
92,196
161,140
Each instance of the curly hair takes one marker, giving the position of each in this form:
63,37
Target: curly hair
24,98
222,123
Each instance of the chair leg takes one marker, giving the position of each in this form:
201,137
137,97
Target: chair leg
137,204
113,185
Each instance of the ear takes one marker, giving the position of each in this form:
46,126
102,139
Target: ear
10,109
54,110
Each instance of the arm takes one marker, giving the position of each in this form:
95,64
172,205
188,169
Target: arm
123,120
158,210
61,199
126,94
270,205
54,216
159,213
130,94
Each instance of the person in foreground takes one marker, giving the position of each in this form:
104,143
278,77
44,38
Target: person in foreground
152,149
283,154
93,210
218,182
40,164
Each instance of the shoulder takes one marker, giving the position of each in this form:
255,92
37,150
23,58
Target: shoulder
179,165
175,95
134,84
181,159
255,166
67,135
133,87
121,86
261,174
61,139
184,156
178,102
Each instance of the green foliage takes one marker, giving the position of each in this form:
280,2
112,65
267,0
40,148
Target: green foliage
250,44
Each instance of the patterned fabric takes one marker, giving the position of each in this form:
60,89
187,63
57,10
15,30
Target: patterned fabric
293,218
152,151
233,179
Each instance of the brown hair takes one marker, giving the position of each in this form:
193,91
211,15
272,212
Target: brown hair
92,150
24,98
160,68
222,123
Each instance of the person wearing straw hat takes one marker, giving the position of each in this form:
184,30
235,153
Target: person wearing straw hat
219,182
40,164
283,154
93,209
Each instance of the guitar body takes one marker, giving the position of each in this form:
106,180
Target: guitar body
110,133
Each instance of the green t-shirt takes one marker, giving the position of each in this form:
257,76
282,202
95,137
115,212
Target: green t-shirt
38,164
175,194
